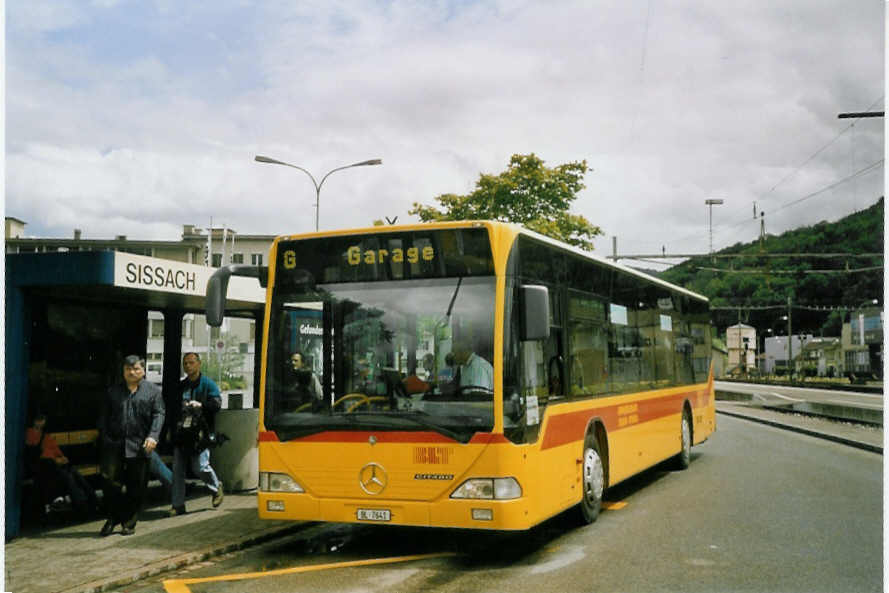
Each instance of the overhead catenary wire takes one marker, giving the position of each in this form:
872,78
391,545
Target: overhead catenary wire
820,150
792,272
833,185
763,197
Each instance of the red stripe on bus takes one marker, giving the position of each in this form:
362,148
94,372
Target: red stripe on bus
488,438
268,436
571,427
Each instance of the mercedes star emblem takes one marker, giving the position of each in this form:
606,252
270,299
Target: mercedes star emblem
372,478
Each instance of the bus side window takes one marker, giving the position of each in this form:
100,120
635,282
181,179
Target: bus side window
555,374
555,366
551,367
533,375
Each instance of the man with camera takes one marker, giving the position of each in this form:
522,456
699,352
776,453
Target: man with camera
193,433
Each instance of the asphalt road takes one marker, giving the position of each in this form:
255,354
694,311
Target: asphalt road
760,509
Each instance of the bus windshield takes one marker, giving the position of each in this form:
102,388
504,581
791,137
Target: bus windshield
406,355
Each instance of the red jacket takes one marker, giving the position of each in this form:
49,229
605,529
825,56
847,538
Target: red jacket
50,448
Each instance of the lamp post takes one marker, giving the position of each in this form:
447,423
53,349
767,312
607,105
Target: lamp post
265,159
788,346
861,310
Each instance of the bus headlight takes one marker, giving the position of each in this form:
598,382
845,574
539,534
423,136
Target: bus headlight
489,488
277,482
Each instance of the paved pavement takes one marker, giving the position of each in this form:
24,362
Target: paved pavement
72,558
865,437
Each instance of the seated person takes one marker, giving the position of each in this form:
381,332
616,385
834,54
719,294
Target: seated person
414,384
303,374
471,369
53,473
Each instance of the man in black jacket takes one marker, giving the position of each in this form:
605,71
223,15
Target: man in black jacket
129,426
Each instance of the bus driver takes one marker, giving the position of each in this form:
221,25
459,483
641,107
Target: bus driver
472,369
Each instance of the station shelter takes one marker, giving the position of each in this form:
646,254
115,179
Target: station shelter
71,318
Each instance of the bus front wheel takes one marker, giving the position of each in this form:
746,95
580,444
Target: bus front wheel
592,480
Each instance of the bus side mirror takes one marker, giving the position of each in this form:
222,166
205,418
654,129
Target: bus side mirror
217,288
535,312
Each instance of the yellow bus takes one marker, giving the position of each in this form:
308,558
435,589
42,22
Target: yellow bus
466,375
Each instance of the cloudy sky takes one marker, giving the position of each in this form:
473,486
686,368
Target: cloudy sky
136,117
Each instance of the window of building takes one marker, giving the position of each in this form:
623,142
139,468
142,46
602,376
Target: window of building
256,259
157,328
237,258
188,327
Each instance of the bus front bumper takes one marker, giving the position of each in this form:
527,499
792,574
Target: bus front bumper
451,513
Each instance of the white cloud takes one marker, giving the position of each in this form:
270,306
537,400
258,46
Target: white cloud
43,17
668,103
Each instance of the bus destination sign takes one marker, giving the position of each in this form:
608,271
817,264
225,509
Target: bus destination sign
386,256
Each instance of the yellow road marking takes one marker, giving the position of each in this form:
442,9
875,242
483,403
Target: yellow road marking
181,585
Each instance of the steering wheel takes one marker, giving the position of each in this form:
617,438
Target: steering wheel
362,400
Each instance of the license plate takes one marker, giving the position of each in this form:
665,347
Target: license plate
374,515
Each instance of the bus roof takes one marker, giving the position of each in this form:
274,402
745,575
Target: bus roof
514,228
605,262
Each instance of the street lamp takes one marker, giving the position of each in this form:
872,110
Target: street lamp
712,202
265,159
861,309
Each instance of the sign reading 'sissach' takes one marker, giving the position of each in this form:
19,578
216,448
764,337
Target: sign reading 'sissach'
151,273
160,276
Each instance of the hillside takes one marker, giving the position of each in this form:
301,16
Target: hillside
756,281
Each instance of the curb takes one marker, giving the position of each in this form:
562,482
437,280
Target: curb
805,431
182,560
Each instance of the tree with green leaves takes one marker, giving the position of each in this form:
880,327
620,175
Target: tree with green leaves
225,366
528,193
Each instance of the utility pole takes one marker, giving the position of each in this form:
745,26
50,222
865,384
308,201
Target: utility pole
789,342
711,203
762,231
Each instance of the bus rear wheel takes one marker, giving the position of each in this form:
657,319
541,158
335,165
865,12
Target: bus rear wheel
683,458
592,481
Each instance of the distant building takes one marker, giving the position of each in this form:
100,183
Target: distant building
862,343
866,326
15,228
740,340
224,245
775,360
866,333
820,357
